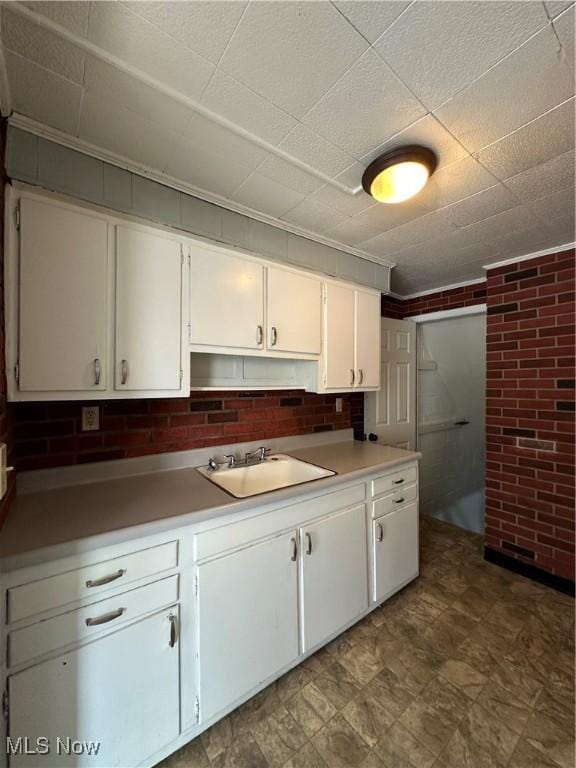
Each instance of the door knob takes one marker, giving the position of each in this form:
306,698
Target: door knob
372,437
461,423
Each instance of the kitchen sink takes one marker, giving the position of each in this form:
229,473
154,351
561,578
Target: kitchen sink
274,472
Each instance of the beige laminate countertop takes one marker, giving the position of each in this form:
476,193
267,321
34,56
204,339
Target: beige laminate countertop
50,524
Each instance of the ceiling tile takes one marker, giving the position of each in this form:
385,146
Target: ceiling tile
314,216
562,230
291,53
535,143
544,179
205,27
106,123
555,7
135,41
343,202
365,107
480,206
370,18
420,230
218,140
559,205
381,218
72,15
289,175
429,132
104,81
267,196
500,224
455,182
351,232
565,29
234,101
519,89
310,148
42,95
438,48
45,48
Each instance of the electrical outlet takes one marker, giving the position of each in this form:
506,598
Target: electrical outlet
338,405
90,418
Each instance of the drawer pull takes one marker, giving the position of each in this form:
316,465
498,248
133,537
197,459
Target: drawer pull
105,618
399,501
380,534
308,544
398,482
352,376
259,334
106,579
173,629
294,555
274,337
97,371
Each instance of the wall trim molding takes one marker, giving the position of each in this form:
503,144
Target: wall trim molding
71,142
528,256
430,291
446,314
558,583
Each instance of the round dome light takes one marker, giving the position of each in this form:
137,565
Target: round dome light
399,174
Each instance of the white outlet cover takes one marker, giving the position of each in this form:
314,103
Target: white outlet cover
90,418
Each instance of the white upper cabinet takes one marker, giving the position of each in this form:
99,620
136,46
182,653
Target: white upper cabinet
367,339
63,299
148,320
226,300
351,358
294,312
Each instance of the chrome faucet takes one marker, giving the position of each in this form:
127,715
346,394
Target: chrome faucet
212,464
258,455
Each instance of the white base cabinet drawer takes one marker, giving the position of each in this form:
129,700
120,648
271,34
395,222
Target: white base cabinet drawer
81,624
395,481
394,501
93,580
395,538
121,691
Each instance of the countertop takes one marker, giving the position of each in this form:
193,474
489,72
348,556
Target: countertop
56,523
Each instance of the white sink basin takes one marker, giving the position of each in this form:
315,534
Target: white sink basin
278,471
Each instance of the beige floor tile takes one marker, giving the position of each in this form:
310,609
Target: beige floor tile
464,677
190,756
511,711
368,717
340,745
526,756
279,737
398,748
337,685
389,690
551,737
307,757
244,752
311,709
517,682
461,752
483,731
362,663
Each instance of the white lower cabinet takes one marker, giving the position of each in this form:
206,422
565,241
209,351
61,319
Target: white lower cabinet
122,691
247,619
334,583
395,550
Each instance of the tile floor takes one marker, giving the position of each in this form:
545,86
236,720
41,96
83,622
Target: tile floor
468,667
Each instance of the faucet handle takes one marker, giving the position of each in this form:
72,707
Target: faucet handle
212,464
231,460
264,452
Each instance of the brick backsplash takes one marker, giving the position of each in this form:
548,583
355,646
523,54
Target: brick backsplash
454,298
530,513
49,434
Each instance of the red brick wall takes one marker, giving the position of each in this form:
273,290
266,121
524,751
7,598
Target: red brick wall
454,298
49,434
5,426
530,413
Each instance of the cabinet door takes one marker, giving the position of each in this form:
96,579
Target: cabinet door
226,300
121,691
339,337
334,584
148,311
294,305
63,299
248,620
395,551
367,339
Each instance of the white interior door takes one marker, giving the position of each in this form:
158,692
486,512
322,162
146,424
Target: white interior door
334,587
367,339
63,299
247,619
339,337
451,432
148,311
390,413
226,300
294,312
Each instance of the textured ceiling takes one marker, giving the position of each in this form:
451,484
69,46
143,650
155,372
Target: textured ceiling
279,106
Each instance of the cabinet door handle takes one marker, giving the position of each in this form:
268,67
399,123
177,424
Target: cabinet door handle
379,532
106,579
259,334
124,371
294,545
105,618
399,501
97,371
398,482
352,377
274,336
308,544
360,376
173,629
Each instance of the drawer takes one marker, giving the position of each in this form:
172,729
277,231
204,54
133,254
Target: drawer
91,581
75,626
395,481
394,501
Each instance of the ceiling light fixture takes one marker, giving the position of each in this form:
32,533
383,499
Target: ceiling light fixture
399,174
